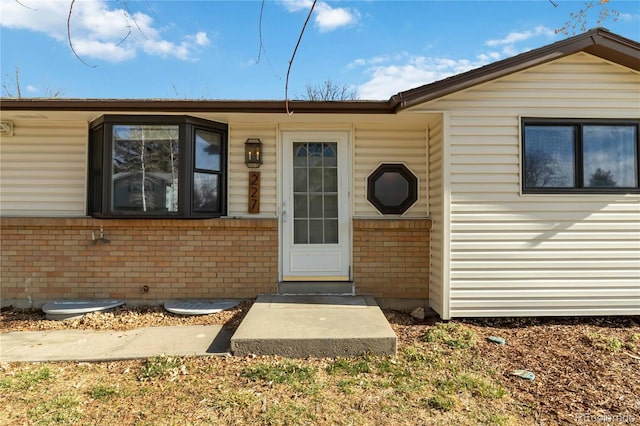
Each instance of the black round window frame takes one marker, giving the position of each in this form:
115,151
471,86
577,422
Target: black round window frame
407,174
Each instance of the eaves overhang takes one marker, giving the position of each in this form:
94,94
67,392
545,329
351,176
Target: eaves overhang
598,42
197,106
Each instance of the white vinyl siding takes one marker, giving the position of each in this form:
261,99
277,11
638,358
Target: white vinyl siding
43,169
373,144
389,143
437,266
527,255
238,177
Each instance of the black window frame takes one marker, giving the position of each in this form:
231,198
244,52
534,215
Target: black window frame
407,174
578,160
100,154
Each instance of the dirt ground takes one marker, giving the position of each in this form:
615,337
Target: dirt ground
587,370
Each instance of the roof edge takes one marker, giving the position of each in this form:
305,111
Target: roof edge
599,42
193,106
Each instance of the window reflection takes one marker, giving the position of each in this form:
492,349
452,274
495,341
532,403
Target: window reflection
549,155
608,155
145,168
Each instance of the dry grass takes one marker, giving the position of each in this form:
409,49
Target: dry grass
444,373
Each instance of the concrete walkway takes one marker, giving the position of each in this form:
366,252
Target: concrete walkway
88,345
290,326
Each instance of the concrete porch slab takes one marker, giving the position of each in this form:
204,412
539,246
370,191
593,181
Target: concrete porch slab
317,326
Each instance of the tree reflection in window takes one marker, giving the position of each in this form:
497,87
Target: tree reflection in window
608,156
145,168
549,154
580,155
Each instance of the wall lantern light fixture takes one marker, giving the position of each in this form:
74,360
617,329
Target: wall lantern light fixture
253,153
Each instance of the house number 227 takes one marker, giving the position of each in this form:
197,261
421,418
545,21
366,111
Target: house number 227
254,192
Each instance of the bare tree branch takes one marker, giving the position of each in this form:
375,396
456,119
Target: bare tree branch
24,5
125,37
329,90
579,21
286,85
129,16
9,91
261,48
69,35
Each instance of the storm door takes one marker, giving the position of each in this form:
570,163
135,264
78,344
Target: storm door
316,241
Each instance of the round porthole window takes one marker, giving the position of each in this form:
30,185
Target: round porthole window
392,188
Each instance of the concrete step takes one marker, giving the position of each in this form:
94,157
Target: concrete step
316,326
344,288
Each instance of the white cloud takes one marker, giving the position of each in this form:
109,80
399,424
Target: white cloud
98,30
390,74
325,17
387,80
508,43
32,89
629,17
201,39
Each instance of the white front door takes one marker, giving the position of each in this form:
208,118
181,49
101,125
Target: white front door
315,219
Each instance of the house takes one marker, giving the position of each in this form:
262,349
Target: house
508,190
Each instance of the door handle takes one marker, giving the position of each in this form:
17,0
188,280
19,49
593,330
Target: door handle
284,212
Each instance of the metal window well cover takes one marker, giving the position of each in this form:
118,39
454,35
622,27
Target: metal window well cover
198,307
68,309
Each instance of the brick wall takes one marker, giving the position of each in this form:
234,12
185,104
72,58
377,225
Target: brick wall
391,257
44,259
55,258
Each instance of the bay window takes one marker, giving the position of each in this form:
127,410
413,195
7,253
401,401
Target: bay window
157,167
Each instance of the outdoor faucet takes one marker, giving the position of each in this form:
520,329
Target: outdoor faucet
97,241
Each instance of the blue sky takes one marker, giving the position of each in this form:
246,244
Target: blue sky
209,49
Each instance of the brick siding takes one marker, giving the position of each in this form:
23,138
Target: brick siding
216,258
391,257
56,258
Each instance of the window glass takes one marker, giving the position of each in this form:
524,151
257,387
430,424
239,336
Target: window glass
391,189
145,161
205,192
207,151
156,167
609,157
315,193
549,156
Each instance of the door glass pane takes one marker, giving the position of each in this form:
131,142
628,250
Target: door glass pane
300,155
207,152
145,168
330,155
315,192
316,234
315,155
330,206
299,179
609,156
300,206
300,231
331,180
331,231
315,206
315,179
